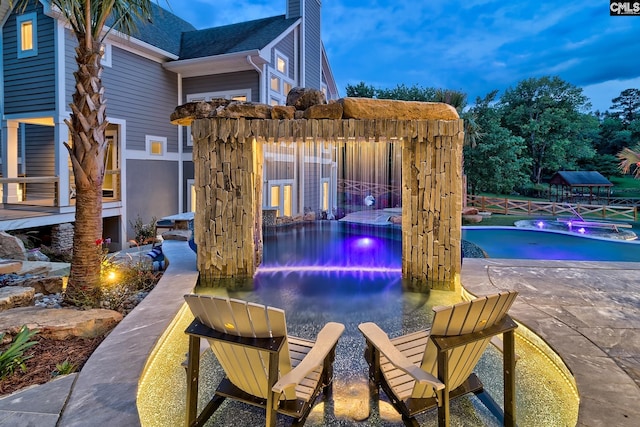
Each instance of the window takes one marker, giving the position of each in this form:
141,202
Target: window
191,195
324,195
279,82
282,64
156,145
27,27
106,57
275,83
281,196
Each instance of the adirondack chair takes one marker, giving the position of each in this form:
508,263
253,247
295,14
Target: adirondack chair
425,369
263,365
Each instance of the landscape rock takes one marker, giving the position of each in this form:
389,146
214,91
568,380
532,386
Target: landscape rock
280,112
182,235
249,110
331,111
471,219
469,211
309,216
8,267
303,98
43,285
396,219
62,323
11,247
368,108
15,296
36,255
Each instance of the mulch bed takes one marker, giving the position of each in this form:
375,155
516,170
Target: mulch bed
47,353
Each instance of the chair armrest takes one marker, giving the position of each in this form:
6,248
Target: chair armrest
325,343
380,340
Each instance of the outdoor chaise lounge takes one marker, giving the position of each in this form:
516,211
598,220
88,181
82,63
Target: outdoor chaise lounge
263,365
425,369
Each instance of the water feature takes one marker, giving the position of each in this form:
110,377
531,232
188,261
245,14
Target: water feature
332,271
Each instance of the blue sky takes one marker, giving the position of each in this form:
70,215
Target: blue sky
474,46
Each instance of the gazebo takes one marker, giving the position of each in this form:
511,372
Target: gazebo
578,186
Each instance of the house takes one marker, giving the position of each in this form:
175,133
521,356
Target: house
167,62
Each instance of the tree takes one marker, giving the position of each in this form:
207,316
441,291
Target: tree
361,90
87,125
494,162
627,105
547,113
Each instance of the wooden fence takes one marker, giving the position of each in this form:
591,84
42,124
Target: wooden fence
529,207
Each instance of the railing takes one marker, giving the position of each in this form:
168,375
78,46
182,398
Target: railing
529,207
35,191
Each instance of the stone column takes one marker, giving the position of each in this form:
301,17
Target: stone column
228,217
432,206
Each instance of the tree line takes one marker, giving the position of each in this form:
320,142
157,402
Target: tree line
542,125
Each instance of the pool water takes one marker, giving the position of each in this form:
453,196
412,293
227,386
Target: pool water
519,243
351,274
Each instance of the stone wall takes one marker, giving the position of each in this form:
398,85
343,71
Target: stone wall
62,237
227,154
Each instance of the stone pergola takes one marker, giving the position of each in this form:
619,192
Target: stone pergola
227,155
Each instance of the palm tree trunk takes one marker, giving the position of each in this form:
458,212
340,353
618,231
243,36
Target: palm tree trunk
87,149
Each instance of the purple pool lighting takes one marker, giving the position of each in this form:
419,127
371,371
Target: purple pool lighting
314,257
581,230
540,224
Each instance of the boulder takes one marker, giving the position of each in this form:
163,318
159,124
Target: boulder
36,255
396,219
302,98
43,285
8,267
469,211
368,108
280,112
15,296
11,247
471,219
309,216
60,323
182,235
249,110
324,111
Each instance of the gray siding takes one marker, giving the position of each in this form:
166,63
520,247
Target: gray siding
286,47
29,83
223,83
40,159
152,190
143,93
313,44
294,8
188,173
311,188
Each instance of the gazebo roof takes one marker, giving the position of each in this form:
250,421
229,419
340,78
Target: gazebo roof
580,179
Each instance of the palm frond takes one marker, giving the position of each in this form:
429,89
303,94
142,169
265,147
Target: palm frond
629,159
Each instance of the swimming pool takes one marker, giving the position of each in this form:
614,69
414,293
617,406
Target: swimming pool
518,243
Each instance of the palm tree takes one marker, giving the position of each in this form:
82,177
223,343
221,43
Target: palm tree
630,159
87,126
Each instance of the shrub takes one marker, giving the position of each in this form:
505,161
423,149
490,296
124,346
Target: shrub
13,356
145,233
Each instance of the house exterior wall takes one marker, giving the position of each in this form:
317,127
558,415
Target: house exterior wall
223,83
313,44
143,93
29,83
39,157
286,46
151,190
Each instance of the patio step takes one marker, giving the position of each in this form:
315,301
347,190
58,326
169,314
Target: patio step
16,296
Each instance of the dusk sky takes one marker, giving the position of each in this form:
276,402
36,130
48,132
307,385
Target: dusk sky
474,46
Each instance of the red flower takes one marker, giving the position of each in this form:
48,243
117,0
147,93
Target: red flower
98,242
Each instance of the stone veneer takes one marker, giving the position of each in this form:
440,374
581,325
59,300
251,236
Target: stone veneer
227,153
